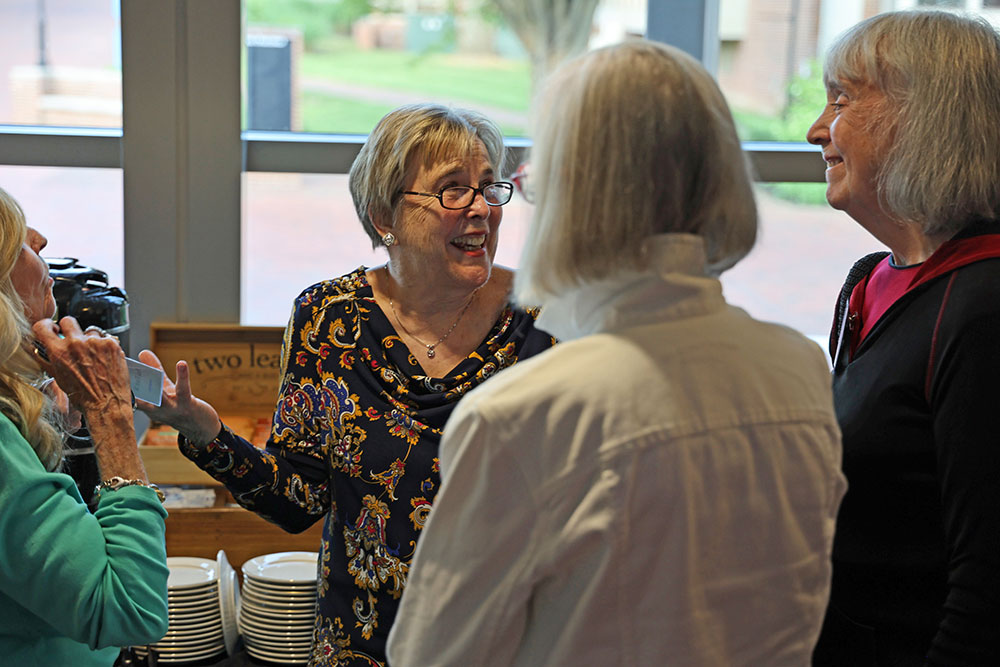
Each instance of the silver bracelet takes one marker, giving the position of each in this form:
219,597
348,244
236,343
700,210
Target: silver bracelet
115,483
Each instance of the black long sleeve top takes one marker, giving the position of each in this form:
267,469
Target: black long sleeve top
916,577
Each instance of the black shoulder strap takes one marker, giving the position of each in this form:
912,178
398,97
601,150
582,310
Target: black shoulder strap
861,268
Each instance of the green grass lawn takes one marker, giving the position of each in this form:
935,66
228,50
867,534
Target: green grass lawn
330,113
483,80
327,113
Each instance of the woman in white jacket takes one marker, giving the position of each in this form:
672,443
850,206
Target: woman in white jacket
661,487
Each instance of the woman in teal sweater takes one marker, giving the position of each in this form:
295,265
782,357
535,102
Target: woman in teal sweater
74,586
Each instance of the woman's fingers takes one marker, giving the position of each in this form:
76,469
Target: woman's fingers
149,358
88,367
183,385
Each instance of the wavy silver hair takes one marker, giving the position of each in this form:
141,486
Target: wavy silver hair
940,73
631,141
409,137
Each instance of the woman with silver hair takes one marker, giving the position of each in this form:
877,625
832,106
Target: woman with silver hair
912,147
75,587
660,487
373,362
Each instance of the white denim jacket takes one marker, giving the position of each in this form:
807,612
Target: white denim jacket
658,489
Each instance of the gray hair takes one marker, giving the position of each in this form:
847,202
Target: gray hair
940,73
631,141
407,138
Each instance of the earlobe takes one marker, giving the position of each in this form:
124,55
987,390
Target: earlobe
387,237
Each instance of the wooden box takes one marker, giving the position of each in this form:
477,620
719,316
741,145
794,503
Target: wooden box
236,369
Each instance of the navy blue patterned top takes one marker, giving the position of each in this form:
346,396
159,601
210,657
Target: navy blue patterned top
355,439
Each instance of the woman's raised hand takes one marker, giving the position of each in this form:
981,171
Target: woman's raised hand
193,418
89,366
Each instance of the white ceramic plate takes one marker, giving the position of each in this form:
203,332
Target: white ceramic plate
186,656
283,567
286,625
306,587
278,633
229,601
210,594
280,641
187,572
272,615
183,616
192,628
286,604
179,650
307,593
195,607
200,637
284,620
273,656
189,625
278,646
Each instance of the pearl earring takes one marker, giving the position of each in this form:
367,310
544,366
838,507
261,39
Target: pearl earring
388,239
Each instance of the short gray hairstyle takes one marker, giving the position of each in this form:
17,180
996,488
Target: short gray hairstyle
407,138
940,73
630,141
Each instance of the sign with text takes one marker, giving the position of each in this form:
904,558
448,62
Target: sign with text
234,368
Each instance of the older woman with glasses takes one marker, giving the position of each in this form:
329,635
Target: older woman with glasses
373,364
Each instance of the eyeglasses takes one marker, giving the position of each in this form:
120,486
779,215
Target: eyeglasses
462,196
522,179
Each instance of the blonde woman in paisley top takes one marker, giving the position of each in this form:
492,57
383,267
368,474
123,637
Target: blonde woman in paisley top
373,364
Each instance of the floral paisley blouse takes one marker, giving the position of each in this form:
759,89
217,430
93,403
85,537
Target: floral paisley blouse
355,439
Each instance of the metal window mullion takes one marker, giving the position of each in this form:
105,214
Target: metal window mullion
181,155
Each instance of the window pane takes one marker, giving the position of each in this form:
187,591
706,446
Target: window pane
319,66
60,63
770,57
803,253
327,239
79,210
793,275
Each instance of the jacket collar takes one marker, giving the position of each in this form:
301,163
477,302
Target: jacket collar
673,285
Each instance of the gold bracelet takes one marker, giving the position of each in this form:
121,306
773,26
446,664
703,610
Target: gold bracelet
115,483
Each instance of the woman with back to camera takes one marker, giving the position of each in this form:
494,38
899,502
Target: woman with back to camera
660,488
373,363
912,147
74,586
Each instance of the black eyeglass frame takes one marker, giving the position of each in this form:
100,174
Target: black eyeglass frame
508,187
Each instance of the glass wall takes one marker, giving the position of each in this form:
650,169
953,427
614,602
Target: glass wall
300,229
60,63
290,220
338,67
78,210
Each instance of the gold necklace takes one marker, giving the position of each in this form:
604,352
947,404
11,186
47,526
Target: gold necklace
430,346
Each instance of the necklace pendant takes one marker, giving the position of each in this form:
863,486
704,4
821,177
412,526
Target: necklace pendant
430,352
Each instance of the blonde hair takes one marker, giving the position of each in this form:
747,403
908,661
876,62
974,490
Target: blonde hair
940,73
408,137
631,141
29,409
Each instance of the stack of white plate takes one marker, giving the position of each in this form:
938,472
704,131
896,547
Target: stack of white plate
278,606
202,602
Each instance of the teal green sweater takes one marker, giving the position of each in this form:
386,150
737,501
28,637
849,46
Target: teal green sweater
75,586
